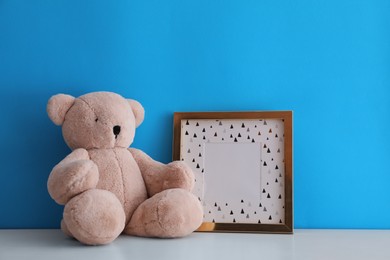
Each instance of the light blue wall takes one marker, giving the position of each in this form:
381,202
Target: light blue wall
329,61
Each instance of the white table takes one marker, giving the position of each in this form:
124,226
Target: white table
304,244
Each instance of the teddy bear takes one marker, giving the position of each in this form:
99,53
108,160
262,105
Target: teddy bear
108,188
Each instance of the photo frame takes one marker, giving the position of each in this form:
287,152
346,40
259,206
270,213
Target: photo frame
243,166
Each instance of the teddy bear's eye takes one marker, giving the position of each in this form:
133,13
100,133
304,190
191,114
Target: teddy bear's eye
96,119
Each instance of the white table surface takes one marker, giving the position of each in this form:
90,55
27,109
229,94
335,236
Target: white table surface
304,244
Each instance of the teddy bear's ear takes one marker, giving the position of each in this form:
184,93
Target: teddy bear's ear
138,111
58,106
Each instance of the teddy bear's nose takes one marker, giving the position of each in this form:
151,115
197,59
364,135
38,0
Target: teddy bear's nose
117,130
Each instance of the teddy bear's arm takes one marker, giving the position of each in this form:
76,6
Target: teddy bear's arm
74,174
159,176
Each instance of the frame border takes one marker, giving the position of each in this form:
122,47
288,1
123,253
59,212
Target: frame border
287,116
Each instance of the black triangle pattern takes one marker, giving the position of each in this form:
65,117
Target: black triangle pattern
271,164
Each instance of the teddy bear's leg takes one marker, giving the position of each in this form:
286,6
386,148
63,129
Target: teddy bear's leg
94,217
65,229
170,213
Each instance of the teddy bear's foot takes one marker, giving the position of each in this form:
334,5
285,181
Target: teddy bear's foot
170,213
94,217
65,229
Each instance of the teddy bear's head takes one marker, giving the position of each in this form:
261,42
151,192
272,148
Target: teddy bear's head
96,120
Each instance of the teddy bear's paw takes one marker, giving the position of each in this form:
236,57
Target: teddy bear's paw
94,217
179,175
72,178
170,213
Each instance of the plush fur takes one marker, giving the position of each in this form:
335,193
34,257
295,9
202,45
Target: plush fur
108,188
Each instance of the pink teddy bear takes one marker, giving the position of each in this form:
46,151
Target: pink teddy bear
108,188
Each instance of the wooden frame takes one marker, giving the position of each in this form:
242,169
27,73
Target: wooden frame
227,149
